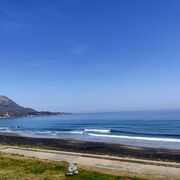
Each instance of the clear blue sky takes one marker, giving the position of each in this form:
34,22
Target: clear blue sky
91,55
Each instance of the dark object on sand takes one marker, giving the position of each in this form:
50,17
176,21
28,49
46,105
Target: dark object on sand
72,169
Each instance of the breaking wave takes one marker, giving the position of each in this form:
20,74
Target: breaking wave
136,138
98,130
99,133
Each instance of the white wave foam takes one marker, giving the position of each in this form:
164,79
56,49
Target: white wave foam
2,128
76,132
59,132
137,138
54,133
98,130
5,129
43,132
39,133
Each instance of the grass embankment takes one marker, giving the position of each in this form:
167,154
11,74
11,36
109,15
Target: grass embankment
14,167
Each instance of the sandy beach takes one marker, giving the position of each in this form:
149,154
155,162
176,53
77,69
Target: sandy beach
100,148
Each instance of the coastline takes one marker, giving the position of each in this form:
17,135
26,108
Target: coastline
99,148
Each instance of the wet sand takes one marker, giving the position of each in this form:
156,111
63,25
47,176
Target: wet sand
100,148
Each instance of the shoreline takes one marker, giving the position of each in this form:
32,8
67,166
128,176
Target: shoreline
99,148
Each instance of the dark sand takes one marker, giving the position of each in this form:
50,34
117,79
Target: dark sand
91,147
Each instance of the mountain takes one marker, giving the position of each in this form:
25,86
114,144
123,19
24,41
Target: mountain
9,108
5,101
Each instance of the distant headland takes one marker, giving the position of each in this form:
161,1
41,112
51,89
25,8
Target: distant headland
9,108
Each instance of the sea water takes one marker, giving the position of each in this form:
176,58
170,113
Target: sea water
159,129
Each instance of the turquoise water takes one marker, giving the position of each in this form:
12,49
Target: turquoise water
150,129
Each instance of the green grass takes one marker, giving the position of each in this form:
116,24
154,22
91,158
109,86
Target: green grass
14,167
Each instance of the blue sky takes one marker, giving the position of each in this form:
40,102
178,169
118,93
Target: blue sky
91,56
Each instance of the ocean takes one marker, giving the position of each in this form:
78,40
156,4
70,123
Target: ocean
159,129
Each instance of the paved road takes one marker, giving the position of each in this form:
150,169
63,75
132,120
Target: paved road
171,170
